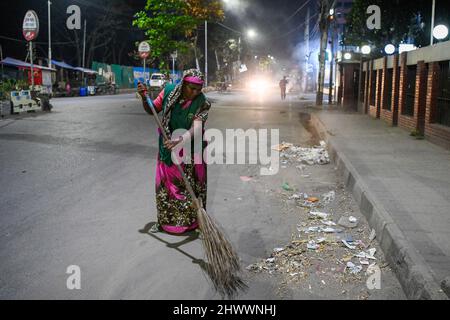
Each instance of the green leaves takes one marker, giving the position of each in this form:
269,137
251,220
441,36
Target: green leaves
170,24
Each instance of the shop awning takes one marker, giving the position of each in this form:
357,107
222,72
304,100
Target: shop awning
63,65
22,64
86,70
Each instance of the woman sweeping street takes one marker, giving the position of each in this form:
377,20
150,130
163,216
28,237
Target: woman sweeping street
183,106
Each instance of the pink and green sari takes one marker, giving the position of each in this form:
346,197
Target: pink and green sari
173,202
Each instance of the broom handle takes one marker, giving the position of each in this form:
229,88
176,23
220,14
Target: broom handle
158,122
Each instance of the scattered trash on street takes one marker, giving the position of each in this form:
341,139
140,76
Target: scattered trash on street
369,254
308,156
286,187
348,245
331,244
347,222
354,269
320,215
328,197
312,245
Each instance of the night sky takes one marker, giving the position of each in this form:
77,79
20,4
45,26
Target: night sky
278,29
276,36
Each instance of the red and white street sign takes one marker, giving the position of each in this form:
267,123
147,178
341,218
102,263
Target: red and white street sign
143,55
30,27
144,49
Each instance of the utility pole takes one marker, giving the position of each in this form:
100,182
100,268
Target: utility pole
84,51
330,90
323,26
239,51
306,36
1,58
433,11
49,36
206,53
31,63
217,59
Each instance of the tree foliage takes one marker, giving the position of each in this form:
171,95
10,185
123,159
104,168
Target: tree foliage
172,25
398,23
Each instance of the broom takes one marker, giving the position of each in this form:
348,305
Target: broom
223,262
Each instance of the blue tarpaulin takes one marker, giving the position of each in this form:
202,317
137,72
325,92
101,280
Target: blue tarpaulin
22,64
63,65
85,70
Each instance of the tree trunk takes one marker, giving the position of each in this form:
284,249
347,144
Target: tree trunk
323,25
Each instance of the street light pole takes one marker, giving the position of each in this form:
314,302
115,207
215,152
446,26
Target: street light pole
1,58
239,51
49,36
433,9
206,53
84,51
31,64
331,80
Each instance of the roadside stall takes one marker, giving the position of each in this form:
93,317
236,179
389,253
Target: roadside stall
66,79
88,77
35,98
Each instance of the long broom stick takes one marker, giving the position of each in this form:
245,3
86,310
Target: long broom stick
223,262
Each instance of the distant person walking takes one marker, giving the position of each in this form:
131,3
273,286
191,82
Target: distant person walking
283,83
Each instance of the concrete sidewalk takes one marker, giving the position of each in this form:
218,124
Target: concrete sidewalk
402,186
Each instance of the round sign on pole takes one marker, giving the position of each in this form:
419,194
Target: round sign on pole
144,49
143,55
30,27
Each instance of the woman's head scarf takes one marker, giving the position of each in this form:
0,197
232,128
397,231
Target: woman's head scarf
189,76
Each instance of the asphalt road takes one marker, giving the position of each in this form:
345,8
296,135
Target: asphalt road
77,188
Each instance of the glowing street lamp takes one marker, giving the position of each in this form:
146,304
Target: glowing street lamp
440,32
389,48
366,49
347,56
251,33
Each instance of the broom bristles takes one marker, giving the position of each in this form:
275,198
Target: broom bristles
223,262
